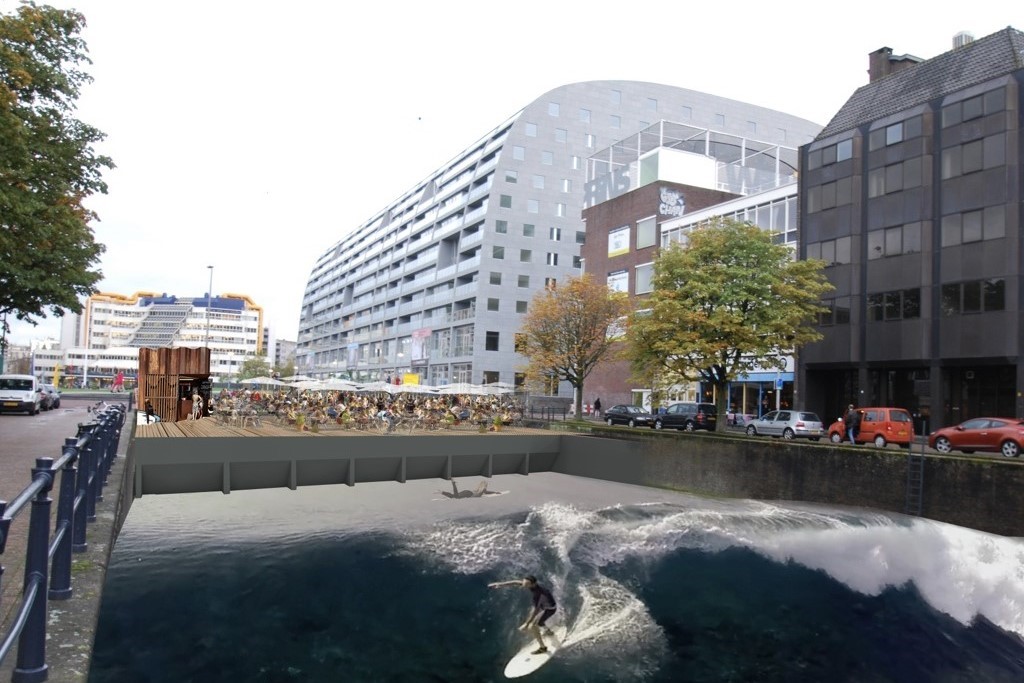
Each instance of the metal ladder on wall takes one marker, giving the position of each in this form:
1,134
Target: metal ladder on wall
915,479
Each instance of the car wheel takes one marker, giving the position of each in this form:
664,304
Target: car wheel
880,441
787,433
57,404
1010,449
632,423
751,430
942,445
689,426
657,424
835,437
609,421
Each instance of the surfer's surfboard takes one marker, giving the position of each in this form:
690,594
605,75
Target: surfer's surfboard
525,663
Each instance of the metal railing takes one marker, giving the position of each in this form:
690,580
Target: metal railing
84,464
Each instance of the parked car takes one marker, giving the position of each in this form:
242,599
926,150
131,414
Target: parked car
789,424
688,416
50,398
629,415
880,426
20,394
987,434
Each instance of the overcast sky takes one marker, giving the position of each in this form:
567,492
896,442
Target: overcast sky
251,136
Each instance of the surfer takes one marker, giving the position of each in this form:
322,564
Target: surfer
479,492
542,607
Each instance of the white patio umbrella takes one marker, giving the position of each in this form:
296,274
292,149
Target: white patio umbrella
263,381
296,378
378,386
309,384
340,385
459,388
413,389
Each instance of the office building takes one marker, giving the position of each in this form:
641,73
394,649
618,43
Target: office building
437,282
912,195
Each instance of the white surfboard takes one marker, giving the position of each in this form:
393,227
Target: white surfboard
525,663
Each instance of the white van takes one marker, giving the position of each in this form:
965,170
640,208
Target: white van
20,394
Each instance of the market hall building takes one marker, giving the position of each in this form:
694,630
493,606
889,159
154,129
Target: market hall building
912,195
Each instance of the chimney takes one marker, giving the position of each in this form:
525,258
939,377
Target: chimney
962,38
878,64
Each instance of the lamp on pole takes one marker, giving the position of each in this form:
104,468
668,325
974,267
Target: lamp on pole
209,295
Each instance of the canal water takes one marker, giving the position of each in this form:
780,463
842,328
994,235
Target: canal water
388,582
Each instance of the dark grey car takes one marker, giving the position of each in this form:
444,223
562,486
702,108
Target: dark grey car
688,416
632,416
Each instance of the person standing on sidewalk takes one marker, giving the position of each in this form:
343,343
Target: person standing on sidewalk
597,408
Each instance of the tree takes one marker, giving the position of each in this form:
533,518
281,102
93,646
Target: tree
729,302
48,166
568,330
254,366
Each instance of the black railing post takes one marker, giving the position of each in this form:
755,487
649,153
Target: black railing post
60,572
31,666
90,462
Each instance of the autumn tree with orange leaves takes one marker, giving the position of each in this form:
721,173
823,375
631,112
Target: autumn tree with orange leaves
568,330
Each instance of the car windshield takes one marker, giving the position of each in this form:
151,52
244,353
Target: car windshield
11,383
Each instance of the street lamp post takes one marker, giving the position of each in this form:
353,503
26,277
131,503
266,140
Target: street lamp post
209,295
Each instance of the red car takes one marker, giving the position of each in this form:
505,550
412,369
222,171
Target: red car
988,434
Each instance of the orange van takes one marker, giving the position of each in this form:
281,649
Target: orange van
880,426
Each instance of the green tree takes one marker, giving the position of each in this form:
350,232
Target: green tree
727,303
568,330
48,166
254,366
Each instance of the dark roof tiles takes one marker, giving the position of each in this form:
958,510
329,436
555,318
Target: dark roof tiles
981,60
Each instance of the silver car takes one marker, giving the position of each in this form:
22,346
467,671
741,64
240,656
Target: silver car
789,424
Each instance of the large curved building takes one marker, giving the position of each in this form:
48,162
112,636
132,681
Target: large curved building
437,282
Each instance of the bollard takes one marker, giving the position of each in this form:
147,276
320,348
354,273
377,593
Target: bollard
60,571
31,666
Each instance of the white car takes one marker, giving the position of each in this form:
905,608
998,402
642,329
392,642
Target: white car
789,424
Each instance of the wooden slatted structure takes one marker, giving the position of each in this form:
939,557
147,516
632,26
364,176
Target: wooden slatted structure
166,374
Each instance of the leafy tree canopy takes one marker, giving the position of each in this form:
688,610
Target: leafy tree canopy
48,166
568,330
256,366
729,302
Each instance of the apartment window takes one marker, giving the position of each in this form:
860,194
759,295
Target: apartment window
844,150
973,226
652,104
552,259
973,156
719,119
520,307
511,176
528,230
560,209
752,127
585,115
525,255
974,107
581,237
495,278
589,140
686,113
575,163
645,233
524,281
492,304
566,185
553,108
616,96
538,182
977,296
518,153
895,305
615,121
531,130
838,312
501,227
644,278
555,234
532,206
550,283
505,201
561,135
491,340
577,262
547,158
497,252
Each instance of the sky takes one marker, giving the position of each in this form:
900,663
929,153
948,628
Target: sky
252,136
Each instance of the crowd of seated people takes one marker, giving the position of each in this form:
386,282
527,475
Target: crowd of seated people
381,411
